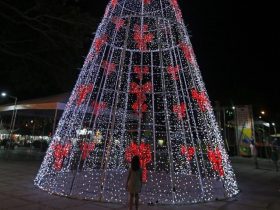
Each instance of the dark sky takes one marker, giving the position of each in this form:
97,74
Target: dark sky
236,44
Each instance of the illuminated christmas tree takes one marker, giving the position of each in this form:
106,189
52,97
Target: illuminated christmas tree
140,92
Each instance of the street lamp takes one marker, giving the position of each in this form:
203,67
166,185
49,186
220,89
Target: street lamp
274,127
13,120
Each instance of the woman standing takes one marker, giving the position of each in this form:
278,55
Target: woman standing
134,182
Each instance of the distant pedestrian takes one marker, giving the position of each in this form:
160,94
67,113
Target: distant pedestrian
275,157
254,154
134,182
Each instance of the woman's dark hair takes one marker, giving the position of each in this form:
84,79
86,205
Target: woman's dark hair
135,163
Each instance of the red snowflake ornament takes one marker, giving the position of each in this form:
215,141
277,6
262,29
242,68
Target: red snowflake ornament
201,99
83,92
180,110
60,152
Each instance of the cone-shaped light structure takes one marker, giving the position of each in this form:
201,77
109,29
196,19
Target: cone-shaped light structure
140,92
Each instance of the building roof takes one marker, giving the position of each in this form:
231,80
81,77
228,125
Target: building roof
55,102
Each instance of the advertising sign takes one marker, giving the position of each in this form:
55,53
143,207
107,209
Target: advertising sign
245,129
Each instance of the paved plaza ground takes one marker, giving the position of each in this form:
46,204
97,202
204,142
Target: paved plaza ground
260,188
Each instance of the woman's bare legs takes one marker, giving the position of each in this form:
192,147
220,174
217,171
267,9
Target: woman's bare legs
136,200
131,198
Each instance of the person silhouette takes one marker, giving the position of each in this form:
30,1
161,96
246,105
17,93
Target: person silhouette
254,153
134,182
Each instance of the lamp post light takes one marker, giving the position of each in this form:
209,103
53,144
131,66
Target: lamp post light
13,120
274,127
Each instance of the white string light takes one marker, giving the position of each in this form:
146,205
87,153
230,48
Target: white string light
140,92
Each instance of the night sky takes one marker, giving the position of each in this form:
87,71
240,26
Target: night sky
235,42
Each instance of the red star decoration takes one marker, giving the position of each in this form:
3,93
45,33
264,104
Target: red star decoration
83,91
173,71
201,99
180,110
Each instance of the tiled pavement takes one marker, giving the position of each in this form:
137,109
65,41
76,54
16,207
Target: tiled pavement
260,190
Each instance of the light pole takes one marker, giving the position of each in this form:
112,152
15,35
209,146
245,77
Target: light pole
262,114
274,127
227,110
13,120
